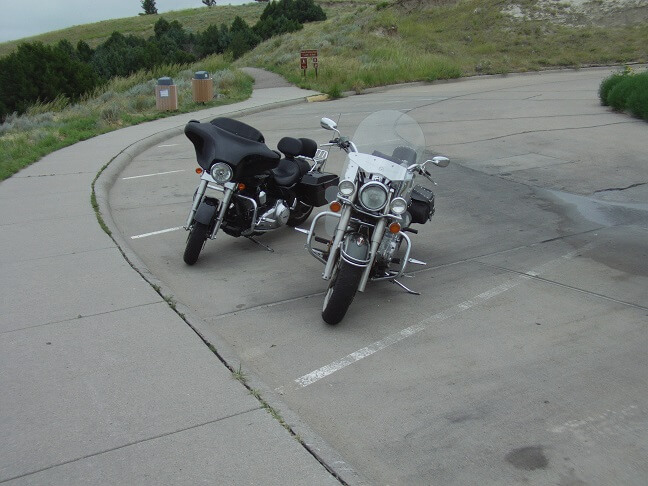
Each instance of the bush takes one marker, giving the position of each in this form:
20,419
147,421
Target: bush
638,98
626,91
606,86
40,73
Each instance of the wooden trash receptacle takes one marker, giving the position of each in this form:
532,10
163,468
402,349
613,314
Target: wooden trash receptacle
202,86
166,95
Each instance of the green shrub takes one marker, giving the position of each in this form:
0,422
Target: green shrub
638,99
626,91
606,86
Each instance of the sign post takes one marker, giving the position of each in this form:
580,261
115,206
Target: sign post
305,54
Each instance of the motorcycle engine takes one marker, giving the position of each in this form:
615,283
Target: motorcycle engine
388,247
274,218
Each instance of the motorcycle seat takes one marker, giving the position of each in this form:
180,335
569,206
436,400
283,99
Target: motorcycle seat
290,170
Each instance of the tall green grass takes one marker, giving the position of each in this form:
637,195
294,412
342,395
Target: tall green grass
363,45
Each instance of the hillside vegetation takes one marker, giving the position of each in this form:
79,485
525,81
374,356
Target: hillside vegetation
361,44
371,44
193,19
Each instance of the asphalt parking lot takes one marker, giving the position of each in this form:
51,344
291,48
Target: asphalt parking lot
524,358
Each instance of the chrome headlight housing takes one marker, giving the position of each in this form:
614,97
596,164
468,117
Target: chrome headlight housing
221,172
398,206
346,187
373,196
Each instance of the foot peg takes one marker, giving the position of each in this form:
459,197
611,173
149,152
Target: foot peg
417,262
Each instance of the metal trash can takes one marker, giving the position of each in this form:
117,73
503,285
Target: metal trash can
202,86
166,95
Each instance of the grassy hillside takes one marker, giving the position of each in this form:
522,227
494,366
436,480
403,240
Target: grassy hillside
193,19
370,44
361,45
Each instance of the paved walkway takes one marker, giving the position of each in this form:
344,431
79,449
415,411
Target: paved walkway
102,382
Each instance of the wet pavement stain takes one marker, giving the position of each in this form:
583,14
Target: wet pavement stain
528,458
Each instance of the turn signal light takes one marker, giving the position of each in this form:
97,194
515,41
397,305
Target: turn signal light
394,228
241,186
335,206
199,170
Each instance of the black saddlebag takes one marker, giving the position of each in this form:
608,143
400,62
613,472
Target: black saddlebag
313,185
422,205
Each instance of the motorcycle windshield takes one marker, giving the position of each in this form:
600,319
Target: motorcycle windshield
391,133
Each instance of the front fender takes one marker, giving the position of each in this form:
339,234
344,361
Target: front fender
355,250
206,212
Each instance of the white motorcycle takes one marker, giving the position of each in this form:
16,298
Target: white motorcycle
373,208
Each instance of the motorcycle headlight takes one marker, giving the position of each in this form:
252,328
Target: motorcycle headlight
373,196
221,172
346,187
398,205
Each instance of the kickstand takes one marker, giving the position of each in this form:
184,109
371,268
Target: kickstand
409,291
251,238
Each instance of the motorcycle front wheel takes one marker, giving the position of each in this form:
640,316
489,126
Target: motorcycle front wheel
195,242
341,292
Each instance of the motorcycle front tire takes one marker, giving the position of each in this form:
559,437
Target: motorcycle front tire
195,242
341,292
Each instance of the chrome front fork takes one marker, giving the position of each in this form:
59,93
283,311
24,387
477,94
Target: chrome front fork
227,197
228,191
376,238
202,187
340,231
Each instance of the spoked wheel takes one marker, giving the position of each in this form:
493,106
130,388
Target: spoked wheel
299,214
195,242
341,292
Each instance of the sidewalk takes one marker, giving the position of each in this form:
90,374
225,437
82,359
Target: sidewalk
102,382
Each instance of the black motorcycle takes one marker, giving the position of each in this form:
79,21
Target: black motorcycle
261,189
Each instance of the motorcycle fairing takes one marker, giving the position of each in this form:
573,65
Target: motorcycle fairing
212,143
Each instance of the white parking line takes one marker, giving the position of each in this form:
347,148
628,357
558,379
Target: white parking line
324,371
168,230
331,368
151,175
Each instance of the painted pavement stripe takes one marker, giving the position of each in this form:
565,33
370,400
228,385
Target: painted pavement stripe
392,339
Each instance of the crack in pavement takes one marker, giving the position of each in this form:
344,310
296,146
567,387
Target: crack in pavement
612,189
159,436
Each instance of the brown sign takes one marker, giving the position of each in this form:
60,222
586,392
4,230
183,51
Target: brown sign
305,54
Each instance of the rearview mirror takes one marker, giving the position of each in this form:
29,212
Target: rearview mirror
328,124
439,161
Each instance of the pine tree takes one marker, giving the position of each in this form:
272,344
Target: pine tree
149,7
